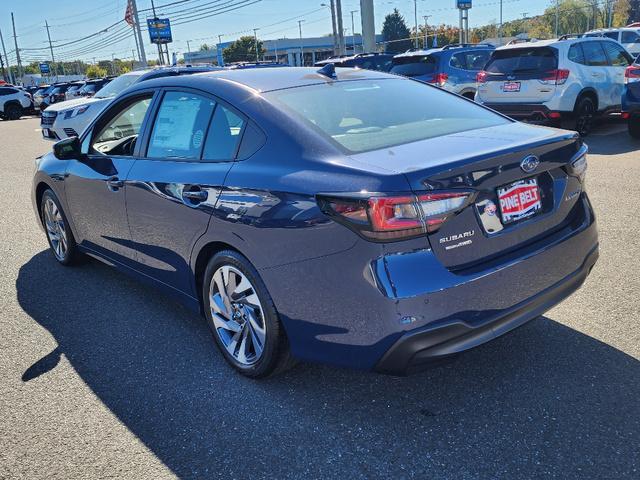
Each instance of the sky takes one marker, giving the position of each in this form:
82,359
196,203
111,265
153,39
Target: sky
70,20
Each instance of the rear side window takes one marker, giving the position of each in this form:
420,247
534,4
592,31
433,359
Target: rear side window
612,35
469,60
630,37
575,54
180,126
224,135
7,91
364,115
594,54
523,60
618,56
414,66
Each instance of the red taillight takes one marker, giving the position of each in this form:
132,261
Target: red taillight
559,77
626,115
440,79
632,74
395,217
554,115
481,76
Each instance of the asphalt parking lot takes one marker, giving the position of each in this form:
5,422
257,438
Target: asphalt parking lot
102,377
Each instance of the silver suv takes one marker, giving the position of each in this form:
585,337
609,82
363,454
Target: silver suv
629,37
565,81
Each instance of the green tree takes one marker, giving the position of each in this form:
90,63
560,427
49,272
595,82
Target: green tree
243,50
204,47
94,71
396,33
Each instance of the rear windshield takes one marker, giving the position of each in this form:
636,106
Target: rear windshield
115,87
364,115
522,60
414,66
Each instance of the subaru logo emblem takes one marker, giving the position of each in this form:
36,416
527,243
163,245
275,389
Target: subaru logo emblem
530,163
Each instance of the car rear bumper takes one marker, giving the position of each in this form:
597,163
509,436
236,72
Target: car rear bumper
418,349
530,112
376,306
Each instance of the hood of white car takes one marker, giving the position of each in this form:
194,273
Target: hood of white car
76,102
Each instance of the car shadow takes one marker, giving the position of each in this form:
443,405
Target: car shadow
611,138
544,400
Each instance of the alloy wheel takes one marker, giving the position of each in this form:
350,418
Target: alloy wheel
237,315
56,232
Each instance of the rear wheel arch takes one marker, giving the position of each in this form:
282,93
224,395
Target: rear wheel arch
587,93
205,253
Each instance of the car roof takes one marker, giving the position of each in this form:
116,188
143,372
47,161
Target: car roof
554,42
270,78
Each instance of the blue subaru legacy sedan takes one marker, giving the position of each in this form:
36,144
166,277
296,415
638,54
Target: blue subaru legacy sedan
343,216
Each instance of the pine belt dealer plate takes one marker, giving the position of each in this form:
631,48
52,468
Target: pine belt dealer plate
519,200
511,86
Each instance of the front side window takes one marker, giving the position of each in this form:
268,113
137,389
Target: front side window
119,134
180,126
617,54
630,37
367,115
223,136
594,54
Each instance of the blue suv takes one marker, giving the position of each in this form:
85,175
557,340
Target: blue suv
453,67
631,98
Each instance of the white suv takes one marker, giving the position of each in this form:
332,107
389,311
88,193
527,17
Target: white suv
565,81
14,102
628,37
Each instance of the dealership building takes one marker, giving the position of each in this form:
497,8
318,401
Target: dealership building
287,50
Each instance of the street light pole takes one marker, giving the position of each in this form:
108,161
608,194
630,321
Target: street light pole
188,46
301,45
426,31
255,38
6,58
500,32
353,31
53,59
415,15
557,16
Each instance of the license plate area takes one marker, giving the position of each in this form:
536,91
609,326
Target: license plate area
511,86
519,200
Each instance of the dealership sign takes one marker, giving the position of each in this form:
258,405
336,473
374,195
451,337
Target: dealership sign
463,4
44,68
159,30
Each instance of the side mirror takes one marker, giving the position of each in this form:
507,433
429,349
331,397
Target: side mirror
67,149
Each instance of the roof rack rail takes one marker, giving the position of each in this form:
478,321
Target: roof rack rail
515,41
567,36
464,45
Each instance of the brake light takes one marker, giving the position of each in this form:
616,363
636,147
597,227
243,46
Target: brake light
559,76
395,217
632,74
440,79
481,76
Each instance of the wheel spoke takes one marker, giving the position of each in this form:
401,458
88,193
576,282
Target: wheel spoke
257,330
243,356
219,281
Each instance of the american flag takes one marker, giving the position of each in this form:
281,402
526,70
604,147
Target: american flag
128,15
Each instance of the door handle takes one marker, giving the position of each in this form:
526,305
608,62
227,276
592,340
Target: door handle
115,183
195,196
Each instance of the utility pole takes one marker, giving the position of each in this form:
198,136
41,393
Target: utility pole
341,45
336,44
610,12
143,55
524,24
4,73
415,17
188,46
53,58
500,30
557,16
301,44
15,40
426,31
113,63
353,31
6,58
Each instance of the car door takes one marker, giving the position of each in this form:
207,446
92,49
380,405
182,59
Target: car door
173,190
619,60
597,76
95,184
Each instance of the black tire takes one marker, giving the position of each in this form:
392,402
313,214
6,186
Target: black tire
70,255
634,126
275,356
584,114
12,112
469,95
